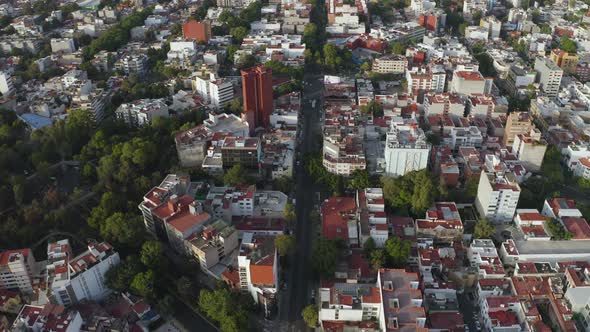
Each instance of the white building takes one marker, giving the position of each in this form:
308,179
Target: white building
214,243
493,25
215,91
74,279
430,79
6,86
133,64
390,64
465,137
530,149
497,196
142,112
258,269
51,317
583,168
406,148
17,270
470,82
62,45
549,76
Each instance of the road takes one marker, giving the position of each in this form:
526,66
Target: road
300,275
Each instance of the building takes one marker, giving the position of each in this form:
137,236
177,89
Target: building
493,25
401,300
6,85
530,149
566,61
549,76
192,144
81,278
258,96
199,31
470,82
445,104
339,220
51,317
406,148
214,90
390,64
17,268
243,151
497,196
62,45
176,192
517,123
344,306
258,269
372,216
442,223
141,112
228,203
483,256
426,79
583,168
133,64
213,244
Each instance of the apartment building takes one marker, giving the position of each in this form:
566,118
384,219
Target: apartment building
464,137
390,64
441,223
530,149
142,112
372,217
244,201
339,220
564,60
583,168
483,256
401,300
215,242
426,79
517,123
470,82
497,196
72,279
215,91
343,150
175,193
493,25
240,150
6,85
345,305
133,64
549,76
445,104
17,268
49,317
62,45
406,148
192,144
258,270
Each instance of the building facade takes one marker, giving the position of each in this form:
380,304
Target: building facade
258,96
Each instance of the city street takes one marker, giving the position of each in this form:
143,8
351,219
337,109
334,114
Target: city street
300,274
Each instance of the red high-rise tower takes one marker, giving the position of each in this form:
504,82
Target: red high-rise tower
258,99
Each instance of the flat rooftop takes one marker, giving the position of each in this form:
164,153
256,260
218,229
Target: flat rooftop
553,247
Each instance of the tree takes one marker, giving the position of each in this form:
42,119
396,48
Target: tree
416,189
366,66
235,176
143,284
166,305
462,28
120,277
369,246
238,33
377,259
360,180
152,255
483,229
218,305
18,189
568,45
122,229
310,315
290,214
285,244
373,108
283,184
398,48
325,256
184,286
397,252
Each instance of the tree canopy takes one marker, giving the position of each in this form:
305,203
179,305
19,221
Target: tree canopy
416,189
310,315
483,229
235,176
325,255
285,244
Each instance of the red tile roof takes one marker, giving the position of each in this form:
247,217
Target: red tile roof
335,213
503,318
186,220
5,255
451,321
261,274
577,226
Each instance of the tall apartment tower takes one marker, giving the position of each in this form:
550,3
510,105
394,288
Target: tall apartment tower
516,124
549,76
258,99
6,86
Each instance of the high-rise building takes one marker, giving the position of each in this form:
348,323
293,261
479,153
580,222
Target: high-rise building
16,270
517,123
199,31
74,279
258,99
565,60
530,149
406,148
549,76
497,196
6,86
